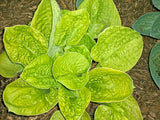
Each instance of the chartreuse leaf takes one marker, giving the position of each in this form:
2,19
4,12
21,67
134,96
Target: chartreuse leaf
23,43
154,64
71,70
73,103
156,3
42,19
78,2
45,20
148,24
58,116
85,116
103,13
118,48
108,85
125,110
23,99
8,69
39,73
52,48
71,28
87,41
80,49
64,11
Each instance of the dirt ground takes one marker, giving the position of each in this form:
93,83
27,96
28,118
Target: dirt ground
13,12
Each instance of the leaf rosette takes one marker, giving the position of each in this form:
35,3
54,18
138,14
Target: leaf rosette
55,53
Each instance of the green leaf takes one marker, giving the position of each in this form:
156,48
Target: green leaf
57,116
78,2
42,19
148,24
23,99
71,28
80,49
64,11
72,73
125,110
118,48
108,85
156,3
39,73
85,116
8,69
23,43
87,41
103,13
154,64
73,103
53,49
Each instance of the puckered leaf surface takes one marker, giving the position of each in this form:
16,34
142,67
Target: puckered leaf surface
103,13
73,103
118,48
108,85
58,116
71,28
125,110
71,70
148,24
23,99
154,64
23,43
87,41
8,69
39,73
80,49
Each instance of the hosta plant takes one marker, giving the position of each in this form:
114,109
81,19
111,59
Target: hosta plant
149,25
54,54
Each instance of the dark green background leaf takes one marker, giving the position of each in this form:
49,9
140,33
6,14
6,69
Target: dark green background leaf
156,3
154,64
78,2
148,24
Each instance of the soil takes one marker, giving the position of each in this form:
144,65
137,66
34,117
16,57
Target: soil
13,12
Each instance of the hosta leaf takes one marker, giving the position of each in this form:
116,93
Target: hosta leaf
118,48
71,28
78,2
73,103
125,110
72,73
103,13
23,99
53,49
108,85
87,41
148,24
42,19
64,11
8,69
23,43
39,73
80,49
154,64
57,116
85,116
156,3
